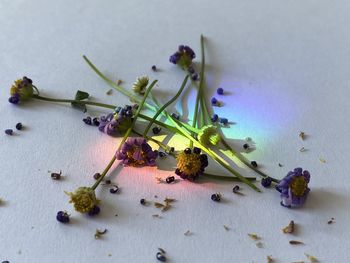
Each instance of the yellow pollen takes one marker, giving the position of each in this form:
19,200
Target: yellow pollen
298,186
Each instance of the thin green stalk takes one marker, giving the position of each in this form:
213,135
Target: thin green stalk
115,86
125,136
217,158
227,178
108,106
161,109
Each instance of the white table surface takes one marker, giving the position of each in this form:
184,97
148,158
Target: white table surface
286,65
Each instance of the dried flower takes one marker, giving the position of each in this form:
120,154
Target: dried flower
21,90
137,152
183,57
208,135
119,122
84,199
294,188
289,229
191,164
140,85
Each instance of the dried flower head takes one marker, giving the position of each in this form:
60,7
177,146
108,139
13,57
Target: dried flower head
191,164
140,85
118,122
84,199
21,90
137,152
208,135
294,188
183,57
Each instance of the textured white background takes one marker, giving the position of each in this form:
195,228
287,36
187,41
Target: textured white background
286,65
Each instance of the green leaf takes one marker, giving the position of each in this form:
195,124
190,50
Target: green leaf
81,95
79,106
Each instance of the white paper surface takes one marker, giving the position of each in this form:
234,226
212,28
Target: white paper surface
285,65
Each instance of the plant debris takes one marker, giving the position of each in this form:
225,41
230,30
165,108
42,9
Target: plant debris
302,149
322,160
226,228
188,233
156,216
329,222
280,165
254,236
158,205
159,180
302,135
311,258
289,229
109,92
269,259
259,244
296,242
99,233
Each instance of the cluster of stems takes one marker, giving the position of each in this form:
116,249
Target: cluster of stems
201,117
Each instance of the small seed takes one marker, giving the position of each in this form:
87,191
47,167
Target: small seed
170,179
216,197
19,126
161,257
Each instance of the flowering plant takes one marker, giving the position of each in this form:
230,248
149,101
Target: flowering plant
204,134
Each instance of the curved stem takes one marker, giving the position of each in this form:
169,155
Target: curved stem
160,110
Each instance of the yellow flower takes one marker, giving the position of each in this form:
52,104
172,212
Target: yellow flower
140,84
208,135
84,199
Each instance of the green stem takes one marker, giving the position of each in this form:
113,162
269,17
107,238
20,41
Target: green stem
115,86
216,157
105,171
227,178
161,109
108,106
244,160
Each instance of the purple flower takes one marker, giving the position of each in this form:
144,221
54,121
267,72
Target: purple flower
294,188
183,57
137,152
115,123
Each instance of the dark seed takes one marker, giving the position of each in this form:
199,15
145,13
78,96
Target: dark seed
97,176
214,118
216,197
224,121
214,101
254,164
156,130
187,151
220,91
172,149
108,182
266,182
19,126
161,257
6,261
87,120
196,150
9,131
154,68
56,176
246,146
175,116
170,179
94,211
95,121
62,217
235,188
142,201
114,190
161,154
